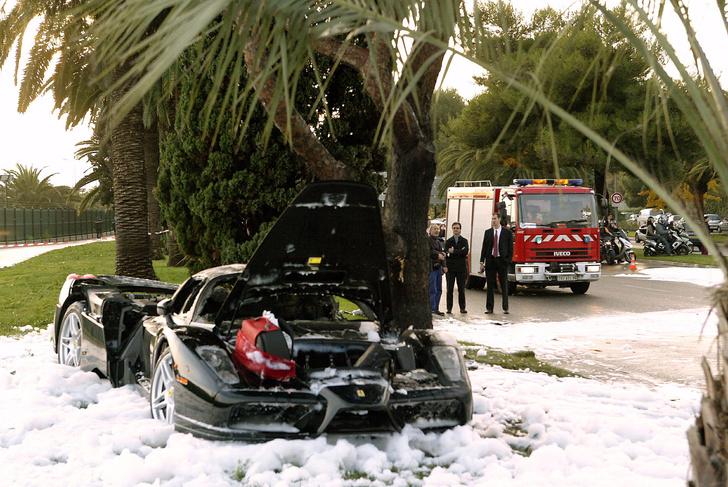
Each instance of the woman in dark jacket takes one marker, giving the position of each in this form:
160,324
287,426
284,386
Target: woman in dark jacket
437,268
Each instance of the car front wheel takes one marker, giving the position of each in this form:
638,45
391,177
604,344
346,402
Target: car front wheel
161,398
70,337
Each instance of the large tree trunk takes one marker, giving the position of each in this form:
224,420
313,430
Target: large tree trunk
600,182
133,256
405,229
707,439
413,167
151,168
699,189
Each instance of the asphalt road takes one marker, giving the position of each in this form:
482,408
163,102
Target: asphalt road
605,296
618,350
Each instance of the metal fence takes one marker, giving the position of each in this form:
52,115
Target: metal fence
34,225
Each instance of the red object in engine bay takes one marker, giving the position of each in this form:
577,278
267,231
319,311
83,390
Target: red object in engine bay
257,361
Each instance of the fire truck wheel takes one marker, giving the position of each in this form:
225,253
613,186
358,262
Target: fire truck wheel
475,282
579,287
512,288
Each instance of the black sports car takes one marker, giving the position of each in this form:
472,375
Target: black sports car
299,342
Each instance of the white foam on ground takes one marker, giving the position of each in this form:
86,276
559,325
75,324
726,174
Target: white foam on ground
701,276
61,426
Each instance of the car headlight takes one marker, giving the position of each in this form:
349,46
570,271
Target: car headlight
219,361
449,360
593,268
527,270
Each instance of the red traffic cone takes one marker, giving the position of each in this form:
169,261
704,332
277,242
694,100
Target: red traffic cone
633,263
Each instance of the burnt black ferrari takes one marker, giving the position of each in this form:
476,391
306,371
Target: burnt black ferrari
298,342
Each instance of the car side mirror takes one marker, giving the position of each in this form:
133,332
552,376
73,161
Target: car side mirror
164,307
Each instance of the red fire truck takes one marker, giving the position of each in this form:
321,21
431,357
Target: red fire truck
554,224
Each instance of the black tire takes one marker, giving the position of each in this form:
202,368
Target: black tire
70,336
474,282
579,287
648,252
512,288
683,250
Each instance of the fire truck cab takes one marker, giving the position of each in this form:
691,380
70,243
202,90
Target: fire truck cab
554,225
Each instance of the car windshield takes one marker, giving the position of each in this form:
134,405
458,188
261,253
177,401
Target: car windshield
569,210
712,217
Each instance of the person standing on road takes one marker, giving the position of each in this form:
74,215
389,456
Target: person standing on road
495,258
437,267
457,269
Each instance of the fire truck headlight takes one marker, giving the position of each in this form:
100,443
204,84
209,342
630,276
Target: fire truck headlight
527,270
594,268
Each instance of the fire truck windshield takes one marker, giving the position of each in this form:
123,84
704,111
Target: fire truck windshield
569,210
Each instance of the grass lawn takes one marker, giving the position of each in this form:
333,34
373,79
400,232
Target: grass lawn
29,290
522,360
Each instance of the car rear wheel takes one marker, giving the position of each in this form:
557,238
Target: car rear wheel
161,397
70,337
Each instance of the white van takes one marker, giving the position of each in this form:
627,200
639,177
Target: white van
649,212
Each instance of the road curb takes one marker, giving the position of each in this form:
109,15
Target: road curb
670,263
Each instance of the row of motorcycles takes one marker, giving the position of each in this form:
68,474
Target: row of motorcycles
617,247
677,238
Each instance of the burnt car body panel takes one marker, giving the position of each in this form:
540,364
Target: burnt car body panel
355,373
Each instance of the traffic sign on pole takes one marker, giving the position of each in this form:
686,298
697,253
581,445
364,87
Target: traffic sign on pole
617,198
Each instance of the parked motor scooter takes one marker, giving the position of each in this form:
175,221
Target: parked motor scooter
607,251
679,242
681,237
615,248
623,247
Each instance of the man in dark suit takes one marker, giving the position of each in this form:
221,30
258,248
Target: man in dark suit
495,258
457,268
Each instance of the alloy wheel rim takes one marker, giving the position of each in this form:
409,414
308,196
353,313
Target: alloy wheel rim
162,394
70,341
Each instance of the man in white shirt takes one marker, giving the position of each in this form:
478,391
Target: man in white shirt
495,258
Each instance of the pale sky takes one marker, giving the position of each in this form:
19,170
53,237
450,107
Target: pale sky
39,139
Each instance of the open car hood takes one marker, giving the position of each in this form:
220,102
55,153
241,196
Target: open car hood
328,240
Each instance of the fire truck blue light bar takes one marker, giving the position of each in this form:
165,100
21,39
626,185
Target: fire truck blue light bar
555,182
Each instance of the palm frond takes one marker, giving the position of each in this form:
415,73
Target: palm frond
43,49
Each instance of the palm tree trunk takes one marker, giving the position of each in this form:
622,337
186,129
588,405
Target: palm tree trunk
133,253
707,439
151,168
